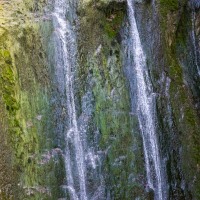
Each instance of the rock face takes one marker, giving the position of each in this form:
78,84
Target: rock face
171,56
33,112
102,72
28,168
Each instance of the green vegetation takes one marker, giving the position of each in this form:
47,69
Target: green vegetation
101,60
113,23
26,118
175,21
171,5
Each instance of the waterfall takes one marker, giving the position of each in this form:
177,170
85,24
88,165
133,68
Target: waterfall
145,100
66,60
194,42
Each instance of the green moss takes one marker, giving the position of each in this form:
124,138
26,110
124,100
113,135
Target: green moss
112,117
113,23
175,24
25,117
184,113
171,5
8,82
101,71
24,86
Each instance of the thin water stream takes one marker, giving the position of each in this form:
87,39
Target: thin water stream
145,110
65,39
194,42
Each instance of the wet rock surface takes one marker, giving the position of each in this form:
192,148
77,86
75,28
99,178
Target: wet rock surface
33,113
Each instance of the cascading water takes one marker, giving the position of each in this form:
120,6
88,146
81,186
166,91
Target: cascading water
77,152
65,55
145,101
194,42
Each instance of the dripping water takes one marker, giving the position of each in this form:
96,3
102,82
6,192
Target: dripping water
194,42
65,55
145,111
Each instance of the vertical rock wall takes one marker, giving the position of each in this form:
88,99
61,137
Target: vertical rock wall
29,152
32,119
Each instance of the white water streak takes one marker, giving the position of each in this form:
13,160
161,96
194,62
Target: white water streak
65,38
194,42
145,99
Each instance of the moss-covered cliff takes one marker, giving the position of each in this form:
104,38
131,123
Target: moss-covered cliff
101,70
32,109
183,89
167,31
28,166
